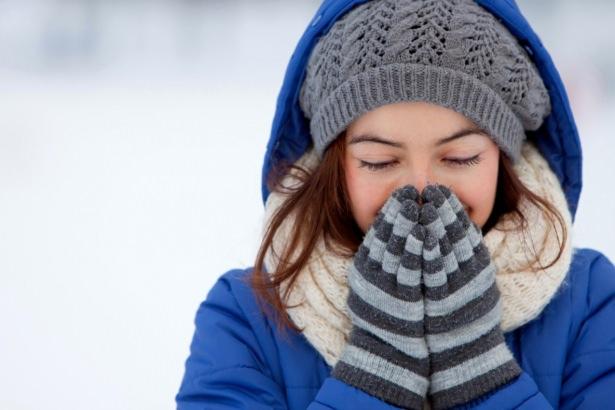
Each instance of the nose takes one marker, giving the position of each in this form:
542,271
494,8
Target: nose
419,179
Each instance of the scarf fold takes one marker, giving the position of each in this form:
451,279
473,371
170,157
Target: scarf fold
318,297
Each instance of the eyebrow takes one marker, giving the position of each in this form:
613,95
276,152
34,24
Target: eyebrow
377,139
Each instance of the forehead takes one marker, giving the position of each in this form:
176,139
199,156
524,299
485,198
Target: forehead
410,120
413,123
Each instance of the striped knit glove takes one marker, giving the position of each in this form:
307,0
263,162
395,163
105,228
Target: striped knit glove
467,351
386,355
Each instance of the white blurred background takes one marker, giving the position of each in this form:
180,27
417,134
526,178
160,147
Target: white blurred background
132,135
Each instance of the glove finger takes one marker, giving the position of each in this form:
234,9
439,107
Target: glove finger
374,292
409,268
480,257
404,221
458,272
458,226
433,264
470,290
381,229
383,271
406,192
456,210
474,232
396,306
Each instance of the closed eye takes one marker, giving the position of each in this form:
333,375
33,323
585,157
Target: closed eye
375,166
465,161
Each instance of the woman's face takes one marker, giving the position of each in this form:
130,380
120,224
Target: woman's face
418,143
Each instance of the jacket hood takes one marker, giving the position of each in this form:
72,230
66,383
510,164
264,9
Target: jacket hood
557,139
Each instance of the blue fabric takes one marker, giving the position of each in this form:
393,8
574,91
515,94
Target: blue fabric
239,361
557,138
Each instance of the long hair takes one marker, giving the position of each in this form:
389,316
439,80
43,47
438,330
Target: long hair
321,203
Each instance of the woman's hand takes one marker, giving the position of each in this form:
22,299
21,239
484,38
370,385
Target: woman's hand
467,351
386,355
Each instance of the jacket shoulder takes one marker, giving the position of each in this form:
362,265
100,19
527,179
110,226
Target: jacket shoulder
233,291
592,294
231,313
591,271
231,286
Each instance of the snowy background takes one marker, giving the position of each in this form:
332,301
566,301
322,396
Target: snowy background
131,139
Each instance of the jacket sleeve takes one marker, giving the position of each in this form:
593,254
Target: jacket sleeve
589,374
230,368
225,368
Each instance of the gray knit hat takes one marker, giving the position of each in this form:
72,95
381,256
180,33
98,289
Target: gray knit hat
448,52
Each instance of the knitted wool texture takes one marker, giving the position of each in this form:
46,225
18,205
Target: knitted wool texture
424,303
387,353
321,289
448,52
468,353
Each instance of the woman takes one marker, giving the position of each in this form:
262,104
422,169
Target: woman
420,182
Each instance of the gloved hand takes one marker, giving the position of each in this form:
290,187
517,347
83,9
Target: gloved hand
467,351
386,355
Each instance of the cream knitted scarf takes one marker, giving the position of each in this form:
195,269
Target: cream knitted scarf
320,290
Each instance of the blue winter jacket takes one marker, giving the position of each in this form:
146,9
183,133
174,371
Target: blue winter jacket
239,361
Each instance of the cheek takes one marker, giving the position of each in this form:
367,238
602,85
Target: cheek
366,199
478,195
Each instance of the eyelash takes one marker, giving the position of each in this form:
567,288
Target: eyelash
456,161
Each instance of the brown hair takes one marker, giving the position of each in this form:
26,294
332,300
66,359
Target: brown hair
320,201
